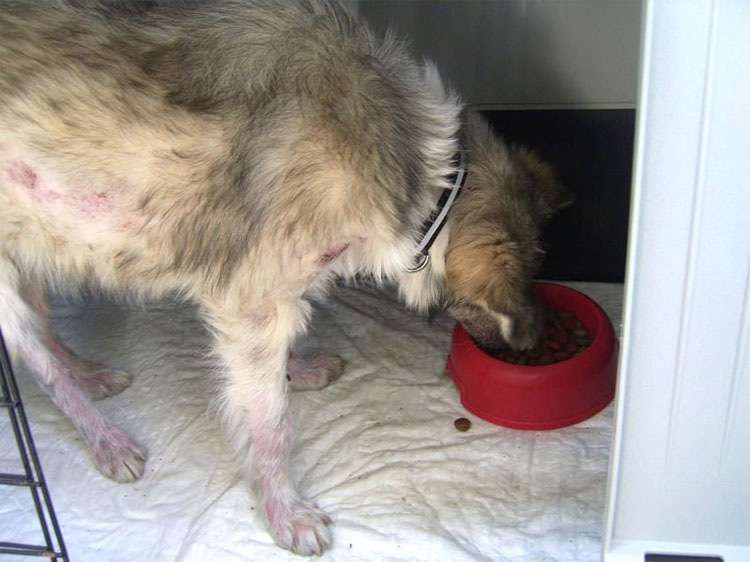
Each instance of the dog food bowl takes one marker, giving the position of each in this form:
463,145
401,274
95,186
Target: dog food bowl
540,397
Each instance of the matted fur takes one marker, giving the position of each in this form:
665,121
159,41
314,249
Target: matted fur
242,154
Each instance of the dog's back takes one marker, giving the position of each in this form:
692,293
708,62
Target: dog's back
126,131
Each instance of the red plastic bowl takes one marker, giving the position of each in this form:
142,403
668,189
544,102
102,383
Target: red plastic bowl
540,397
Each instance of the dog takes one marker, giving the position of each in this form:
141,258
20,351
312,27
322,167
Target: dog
242,155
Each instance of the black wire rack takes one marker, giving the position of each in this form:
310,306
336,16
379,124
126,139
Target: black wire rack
32,476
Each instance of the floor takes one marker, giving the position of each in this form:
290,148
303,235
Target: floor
377,450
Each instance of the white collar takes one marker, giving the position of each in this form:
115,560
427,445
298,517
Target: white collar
432,226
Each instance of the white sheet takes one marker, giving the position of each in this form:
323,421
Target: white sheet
377,451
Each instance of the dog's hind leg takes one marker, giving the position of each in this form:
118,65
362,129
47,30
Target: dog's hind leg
27,331
97,380
254,349
313,372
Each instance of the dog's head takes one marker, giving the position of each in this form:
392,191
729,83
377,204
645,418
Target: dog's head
494,250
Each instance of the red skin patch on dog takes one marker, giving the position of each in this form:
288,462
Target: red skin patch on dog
97,205
330,254
21,173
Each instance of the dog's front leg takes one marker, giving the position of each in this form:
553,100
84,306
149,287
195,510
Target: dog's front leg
254,348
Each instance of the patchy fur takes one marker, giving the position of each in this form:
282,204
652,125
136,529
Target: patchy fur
242,155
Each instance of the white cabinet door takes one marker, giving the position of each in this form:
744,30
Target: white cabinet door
680,471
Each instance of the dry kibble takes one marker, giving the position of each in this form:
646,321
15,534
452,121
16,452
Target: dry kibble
562,337
462,424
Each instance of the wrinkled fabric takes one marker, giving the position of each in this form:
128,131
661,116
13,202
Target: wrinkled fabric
377,450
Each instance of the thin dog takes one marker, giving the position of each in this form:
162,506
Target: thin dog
242,155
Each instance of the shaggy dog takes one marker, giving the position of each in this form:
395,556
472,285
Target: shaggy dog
241,155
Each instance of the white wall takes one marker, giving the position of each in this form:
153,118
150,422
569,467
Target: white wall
527,53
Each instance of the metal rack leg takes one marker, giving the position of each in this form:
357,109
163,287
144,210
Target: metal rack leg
33,478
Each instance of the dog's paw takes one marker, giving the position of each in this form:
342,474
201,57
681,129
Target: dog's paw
300,527
118,457
100,381
314,372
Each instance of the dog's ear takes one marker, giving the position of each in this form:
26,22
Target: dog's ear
552,195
